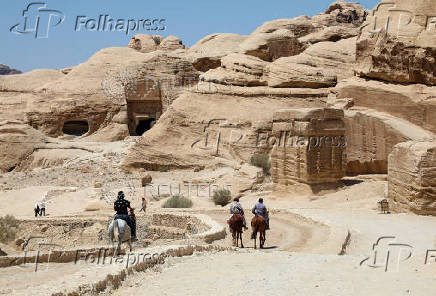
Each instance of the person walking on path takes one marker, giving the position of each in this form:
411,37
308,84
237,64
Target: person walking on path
42,206
36,209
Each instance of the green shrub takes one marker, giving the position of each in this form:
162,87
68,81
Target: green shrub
178,201
261,161
8,228
222,197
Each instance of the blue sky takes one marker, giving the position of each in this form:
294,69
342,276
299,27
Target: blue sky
188,19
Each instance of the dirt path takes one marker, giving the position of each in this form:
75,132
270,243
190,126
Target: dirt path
288,232
252,272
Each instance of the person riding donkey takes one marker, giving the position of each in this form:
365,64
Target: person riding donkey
236,209
260,209
120,206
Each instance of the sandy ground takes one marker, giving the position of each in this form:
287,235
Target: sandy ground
277,273
308,231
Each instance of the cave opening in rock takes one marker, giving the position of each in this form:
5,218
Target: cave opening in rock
75,128
144,125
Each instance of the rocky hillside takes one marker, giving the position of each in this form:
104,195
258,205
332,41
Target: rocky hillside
5,70
226,88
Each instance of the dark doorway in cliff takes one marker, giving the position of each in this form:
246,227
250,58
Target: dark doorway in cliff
75,128
144,125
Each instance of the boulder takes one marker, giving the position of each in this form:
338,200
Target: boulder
271,46
341,13
385,57
146,179
145,43
415,103
171,43
237,69
206,54
371,136
412,177
335,58
287,72
299,26
17,141
398,43
334,33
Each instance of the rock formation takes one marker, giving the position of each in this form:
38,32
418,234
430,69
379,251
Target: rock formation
398,41
5,70
371,136
17,141
206,54
412,177
365,88
310,147
147,43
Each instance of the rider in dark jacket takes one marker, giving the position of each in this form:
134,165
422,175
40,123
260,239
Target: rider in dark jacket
120,206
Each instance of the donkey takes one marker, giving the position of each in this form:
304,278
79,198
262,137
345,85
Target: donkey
258,224
236,223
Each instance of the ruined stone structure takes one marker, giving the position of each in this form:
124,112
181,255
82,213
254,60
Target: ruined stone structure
311,146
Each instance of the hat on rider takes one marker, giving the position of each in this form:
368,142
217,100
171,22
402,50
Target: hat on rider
236,199
261,200
120,195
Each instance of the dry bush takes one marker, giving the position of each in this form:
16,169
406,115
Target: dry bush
261,161
178,201
163,169
8,228
222,197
